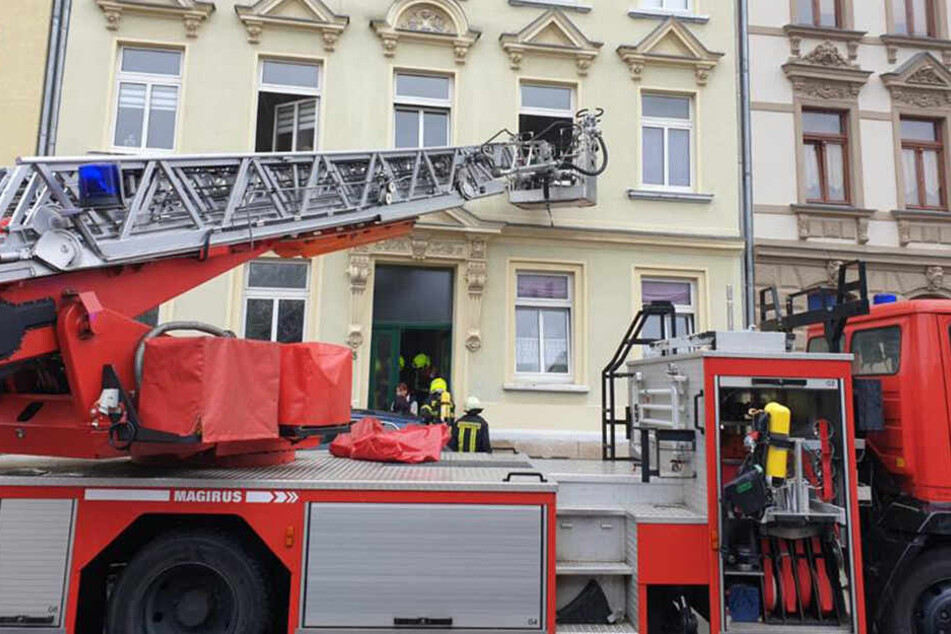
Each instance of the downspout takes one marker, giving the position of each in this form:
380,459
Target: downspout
53,82
749,255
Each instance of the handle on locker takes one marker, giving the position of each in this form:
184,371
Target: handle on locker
527,474
421,621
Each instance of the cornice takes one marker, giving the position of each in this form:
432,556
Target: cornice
894,41
699,58
192,13
259,16
577,46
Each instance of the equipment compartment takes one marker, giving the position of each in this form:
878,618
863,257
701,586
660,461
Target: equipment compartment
784,508
426,566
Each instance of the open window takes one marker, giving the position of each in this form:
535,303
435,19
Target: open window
546,112
288,106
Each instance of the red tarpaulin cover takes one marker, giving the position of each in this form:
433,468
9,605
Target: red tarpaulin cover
315,384
224,389
369,440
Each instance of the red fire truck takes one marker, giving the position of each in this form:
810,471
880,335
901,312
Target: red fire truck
167,485
902,352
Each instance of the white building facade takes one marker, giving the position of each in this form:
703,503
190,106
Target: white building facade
850,119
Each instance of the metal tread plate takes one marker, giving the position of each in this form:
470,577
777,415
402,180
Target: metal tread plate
311,470
593,628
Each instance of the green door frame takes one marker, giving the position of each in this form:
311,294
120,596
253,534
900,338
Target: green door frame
393,331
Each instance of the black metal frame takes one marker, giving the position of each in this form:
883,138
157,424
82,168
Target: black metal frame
612,372
834,317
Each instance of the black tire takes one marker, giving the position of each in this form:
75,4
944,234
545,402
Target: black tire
923,597
196,581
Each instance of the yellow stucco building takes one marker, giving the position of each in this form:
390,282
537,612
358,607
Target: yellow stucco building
521,308
24,36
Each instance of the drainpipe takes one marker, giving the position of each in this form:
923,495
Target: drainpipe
749,269
53,83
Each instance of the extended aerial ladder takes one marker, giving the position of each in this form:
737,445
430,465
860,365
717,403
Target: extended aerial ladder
89,243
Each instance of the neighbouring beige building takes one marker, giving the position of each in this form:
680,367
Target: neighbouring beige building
24,36
521,308
850,118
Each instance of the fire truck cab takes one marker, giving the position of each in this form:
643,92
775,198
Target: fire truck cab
902,375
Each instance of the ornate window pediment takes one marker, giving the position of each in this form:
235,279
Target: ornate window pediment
440,22
191,12
922,81
312,15
670,44
551,34
825,73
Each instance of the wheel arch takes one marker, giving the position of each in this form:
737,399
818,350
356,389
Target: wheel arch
98,576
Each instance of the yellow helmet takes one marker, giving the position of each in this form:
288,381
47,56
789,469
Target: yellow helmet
438,385
421,361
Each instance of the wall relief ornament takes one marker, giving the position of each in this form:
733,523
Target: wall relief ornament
440,22
827,54
427,19
935,277
832,272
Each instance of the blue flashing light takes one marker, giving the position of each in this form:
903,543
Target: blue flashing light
821,299
100,185
884,298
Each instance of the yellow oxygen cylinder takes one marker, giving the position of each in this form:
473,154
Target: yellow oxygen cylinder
777,455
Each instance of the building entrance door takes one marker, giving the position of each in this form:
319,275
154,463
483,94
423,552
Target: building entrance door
412,331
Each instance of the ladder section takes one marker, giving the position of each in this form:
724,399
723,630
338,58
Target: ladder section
65,214
166,206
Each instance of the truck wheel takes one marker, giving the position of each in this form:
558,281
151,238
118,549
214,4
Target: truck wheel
923,602
191,582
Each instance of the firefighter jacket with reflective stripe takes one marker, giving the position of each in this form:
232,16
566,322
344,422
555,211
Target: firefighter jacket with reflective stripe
470,434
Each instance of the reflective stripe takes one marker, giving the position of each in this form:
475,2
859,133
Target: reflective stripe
473,428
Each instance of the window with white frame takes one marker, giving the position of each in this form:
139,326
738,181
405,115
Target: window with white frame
667,141
543,306
148,85
422,110
288,106
680,6
546,111
682,293
275,300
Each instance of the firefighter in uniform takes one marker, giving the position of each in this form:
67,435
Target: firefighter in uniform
438,408
471,432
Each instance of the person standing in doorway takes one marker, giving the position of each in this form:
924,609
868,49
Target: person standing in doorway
405,403
471,432
438,407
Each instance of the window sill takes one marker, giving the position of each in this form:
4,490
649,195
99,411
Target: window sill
669,196
893,41
561,4
922,214
823,32
916,41
821,209
658,14
530,386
